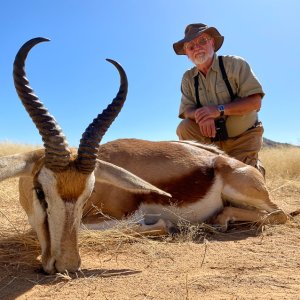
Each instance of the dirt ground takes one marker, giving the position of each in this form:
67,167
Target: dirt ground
241,264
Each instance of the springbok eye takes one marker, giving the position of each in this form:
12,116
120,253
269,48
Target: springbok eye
41,196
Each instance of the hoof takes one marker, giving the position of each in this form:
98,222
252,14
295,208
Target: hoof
277,217
173,230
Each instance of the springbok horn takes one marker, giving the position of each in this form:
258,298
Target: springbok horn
57,154
91,138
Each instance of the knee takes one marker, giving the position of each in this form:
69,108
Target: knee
259,166
184,129
180,128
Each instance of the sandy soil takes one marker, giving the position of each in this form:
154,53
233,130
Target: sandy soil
241,264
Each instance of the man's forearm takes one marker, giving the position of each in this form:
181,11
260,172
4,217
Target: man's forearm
243,106
238,107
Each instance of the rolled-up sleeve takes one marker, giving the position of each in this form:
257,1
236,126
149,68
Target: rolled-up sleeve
248,83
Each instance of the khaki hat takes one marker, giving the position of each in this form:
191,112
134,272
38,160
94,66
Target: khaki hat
194,30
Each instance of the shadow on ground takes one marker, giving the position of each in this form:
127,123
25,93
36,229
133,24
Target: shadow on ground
21,269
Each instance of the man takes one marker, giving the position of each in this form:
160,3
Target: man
219,106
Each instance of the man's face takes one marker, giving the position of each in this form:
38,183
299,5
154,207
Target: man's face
200,50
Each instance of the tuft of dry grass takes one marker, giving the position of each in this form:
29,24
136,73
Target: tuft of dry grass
18,249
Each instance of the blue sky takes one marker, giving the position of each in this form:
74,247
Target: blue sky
73,80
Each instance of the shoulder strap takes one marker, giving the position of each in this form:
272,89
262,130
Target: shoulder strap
196,85
225,78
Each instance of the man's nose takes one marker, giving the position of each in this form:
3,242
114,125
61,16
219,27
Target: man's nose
197,46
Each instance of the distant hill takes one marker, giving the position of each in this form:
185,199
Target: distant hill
270,143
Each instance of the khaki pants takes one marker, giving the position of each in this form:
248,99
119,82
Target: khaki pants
244,147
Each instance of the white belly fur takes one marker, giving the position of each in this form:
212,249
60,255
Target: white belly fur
195,212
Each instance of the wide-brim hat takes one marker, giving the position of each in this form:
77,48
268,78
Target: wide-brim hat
194,30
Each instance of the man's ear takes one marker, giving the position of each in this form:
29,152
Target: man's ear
213,42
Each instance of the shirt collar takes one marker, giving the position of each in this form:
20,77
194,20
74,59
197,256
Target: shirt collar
215,64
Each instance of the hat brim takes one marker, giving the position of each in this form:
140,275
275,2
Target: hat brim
212,31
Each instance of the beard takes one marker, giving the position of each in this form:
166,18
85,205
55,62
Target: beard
201,58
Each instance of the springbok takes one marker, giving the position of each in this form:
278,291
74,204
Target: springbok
198,177
62,179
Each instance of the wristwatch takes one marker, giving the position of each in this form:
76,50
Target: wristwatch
221,109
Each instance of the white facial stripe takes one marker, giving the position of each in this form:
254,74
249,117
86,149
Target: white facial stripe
56,209
90,183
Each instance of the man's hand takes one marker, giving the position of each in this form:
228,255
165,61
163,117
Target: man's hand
208,128
205,118
206,112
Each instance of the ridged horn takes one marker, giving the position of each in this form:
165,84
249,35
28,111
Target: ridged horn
91,138
57,154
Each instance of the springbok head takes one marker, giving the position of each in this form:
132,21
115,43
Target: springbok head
63,178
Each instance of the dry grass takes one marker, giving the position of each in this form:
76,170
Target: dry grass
283,174
282,163
8,148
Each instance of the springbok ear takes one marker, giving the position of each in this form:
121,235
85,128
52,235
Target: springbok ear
18,164
112,174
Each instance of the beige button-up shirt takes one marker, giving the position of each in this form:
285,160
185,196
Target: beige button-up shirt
213,90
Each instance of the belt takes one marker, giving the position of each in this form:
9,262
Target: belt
257,124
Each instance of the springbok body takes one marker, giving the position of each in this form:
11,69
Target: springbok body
198,177
172,181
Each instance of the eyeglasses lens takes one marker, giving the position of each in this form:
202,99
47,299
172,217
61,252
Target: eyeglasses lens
192,46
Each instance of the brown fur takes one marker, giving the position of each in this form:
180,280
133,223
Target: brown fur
150,160
69,244
70,183
184,188
245,179
254,216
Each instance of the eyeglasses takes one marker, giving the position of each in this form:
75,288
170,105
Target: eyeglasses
192,45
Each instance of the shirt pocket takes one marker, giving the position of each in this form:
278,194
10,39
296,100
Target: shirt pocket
221,87
222,92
